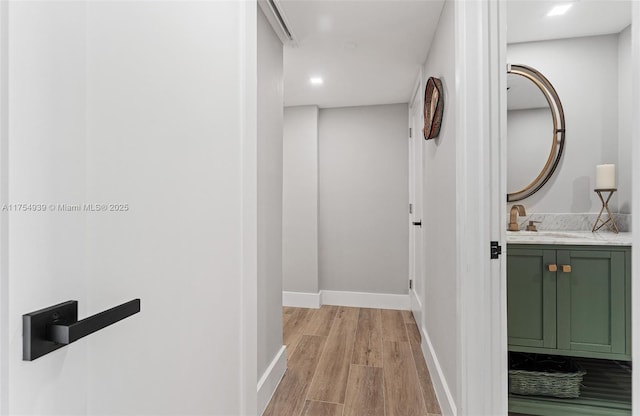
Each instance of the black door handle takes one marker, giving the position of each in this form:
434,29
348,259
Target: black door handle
66,333
54,327
418,223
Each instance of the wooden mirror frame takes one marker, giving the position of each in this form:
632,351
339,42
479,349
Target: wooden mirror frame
433,108
558,138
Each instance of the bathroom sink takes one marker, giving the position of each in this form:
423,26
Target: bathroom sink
550,236
556,234
569,238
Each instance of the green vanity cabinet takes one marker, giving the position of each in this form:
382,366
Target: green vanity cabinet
591,302
531,298
573,300
569,300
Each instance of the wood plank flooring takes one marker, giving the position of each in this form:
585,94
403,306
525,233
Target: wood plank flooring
353,362
330,380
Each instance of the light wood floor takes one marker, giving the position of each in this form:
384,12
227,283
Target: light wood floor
353,362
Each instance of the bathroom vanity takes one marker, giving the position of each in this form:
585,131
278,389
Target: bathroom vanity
569,293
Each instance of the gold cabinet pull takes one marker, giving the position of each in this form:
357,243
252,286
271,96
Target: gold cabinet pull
552,267
566,268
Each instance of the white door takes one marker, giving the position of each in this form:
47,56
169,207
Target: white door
125,172
416,269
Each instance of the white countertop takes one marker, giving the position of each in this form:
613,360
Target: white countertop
600,238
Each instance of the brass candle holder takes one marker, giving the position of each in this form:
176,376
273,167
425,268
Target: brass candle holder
600,221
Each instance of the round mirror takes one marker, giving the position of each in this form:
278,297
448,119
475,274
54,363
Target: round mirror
535,131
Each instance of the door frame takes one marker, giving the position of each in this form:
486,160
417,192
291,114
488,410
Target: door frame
480,56
635,156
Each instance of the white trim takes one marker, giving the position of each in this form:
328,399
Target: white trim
416,306
248,56
497,21
440,385
301,299
344,298
635,158
415,302
366,300
480,377
271,378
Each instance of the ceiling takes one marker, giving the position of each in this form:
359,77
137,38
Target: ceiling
367,52
527,20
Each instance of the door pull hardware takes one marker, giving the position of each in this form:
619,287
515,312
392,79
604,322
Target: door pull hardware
566,268
552,267
418,223
496,250
48,329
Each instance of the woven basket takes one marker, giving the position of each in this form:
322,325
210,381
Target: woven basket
564,385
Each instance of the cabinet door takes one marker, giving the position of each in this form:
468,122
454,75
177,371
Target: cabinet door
531,298
591,301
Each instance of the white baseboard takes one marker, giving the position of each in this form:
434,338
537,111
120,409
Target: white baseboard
271,378
416,307
301,299
343,298
366,300
443,392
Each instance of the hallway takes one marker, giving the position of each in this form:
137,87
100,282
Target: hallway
352,361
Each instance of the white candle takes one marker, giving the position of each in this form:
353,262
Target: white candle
605,177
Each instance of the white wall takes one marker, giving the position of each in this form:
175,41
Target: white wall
624,122
46,166
363,196
584,72
270,120
165,135
439,297
300,200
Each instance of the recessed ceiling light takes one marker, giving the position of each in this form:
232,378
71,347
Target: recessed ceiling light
559,9
316,81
